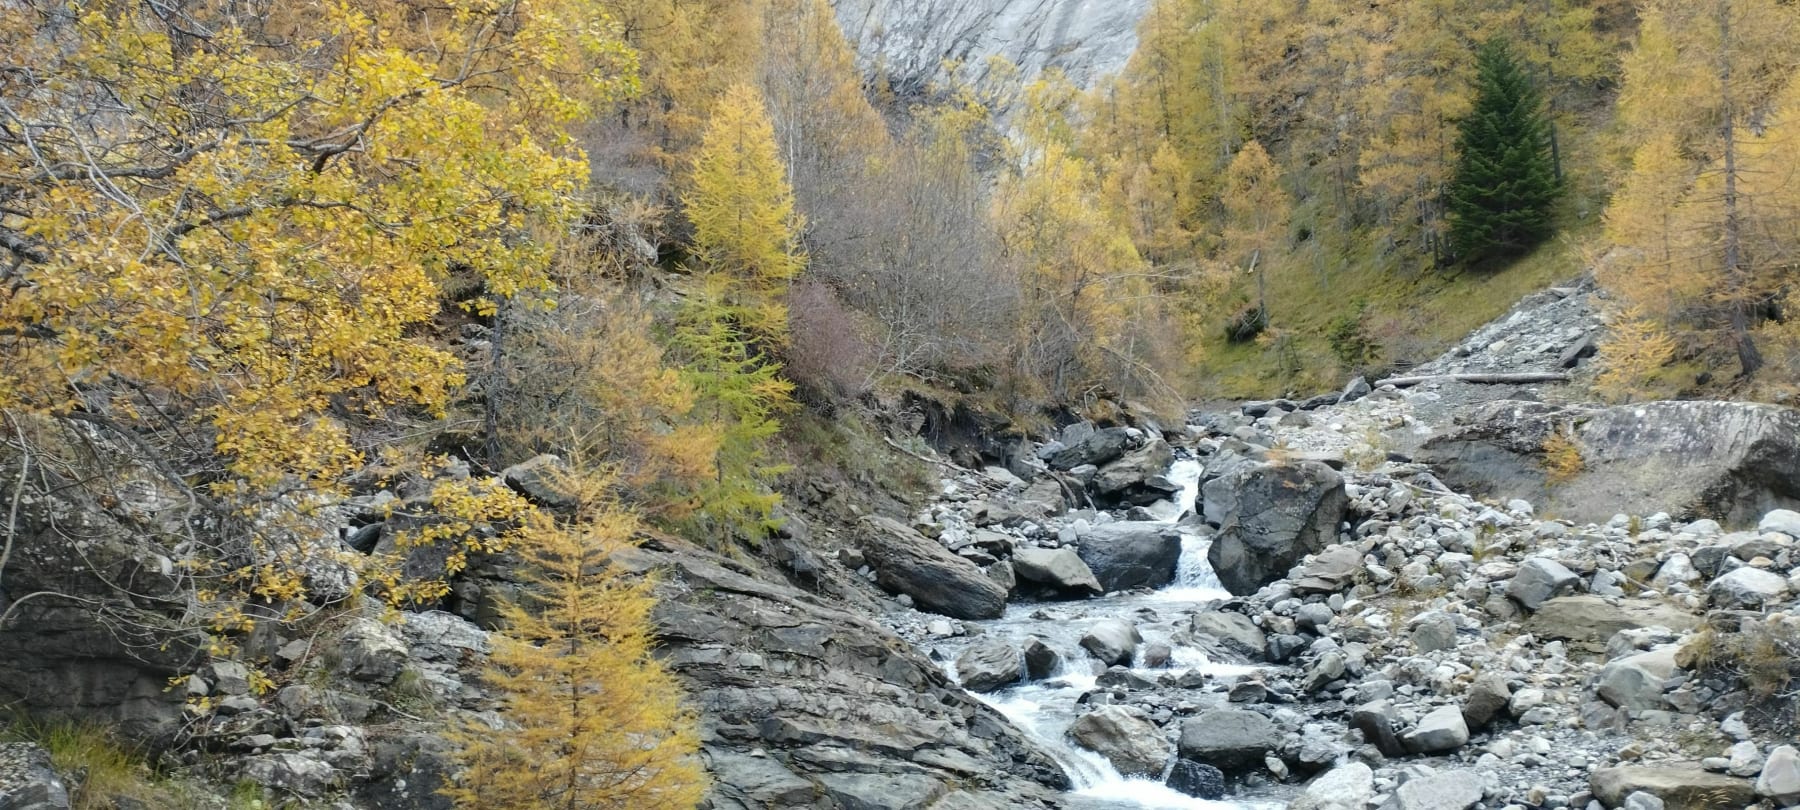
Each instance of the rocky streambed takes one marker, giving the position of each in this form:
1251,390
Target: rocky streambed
1385,641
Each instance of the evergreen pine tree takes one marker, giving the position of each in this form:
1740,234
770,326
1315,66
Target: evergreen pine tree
1505,186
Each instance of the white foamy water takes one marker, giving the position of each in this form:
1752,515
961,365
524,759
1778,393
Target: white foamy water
1044,710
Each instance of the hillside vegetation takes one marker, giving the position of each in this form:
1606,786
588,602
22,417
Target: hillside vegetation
291,253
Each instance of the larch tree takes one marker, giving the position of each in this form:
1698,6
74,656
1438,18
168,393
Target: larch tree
226,234
591,720
734,323
746,230
1698,214
1257,215
1503,195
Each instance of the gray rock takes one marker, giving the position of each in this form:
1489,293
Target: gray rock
1681,786
1487,698
1128,554
1747,588
1744,759
1132,479
1678,569
1346,787
28,781
1235,631
1726,460
1040,660
1450,790
1314,618
1780,778
1377,720
1330,667
1354,390
1636,683
1644,801
1101,447
371,651
1060,570
761,780
1122,734
1270,517
1785,521
1440,731
1112,641
1590,621
1197,779
1332,570
937,580
1228,739
293,773
908,43
990,665
1434,631
773,667
882,791
1539,579
543,480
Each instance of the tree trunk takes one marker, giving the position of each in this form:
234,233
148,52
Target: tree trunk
1736,281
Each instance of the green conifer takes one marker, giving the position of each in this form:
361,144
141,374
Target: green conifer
1503,195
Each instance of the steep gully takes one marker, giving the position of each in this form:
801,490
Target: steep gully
1045,709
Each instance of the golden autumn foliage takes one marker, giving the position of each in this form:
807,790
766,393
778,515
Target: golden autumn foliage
1703,231
591,720
1081,277
239,229
742,209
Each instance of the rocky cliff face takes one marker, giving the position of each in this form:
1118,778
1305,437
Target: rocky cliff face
910,40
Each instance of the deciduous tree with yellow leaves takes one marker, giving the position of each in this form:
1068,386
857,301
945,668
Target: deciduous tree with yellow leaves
591,720
1703,229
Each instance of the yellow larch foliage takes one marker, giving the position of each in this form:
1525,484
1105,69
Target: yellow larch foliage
742,208
1702,233
243,233
1079,269
693,50
1257,211
592,721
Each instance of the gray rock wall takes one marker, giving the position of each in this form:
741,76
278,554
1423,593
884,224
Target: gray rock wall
910,40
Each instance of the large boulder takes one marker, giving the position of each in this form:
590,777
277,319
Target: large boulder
990,665
1125,737
1234,631
938,581
1270,517
1780,779
1540,579
102,531
1112,641
1228,739
1440,731
772,667
1197,779
1746,587
1059,571
1636,683
1131,554
1730,461
1137,477
1589,621
1681,786
1099,447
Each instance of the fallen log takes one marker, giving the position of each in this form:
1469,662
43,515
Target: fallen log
1478,379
